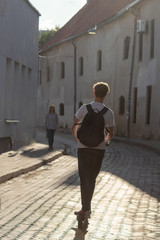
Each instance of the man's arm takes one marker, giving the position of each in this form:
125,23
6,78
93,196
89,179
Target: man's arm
75,127
109,135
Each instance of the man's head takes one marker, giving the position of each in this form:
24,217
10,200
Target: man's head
101,89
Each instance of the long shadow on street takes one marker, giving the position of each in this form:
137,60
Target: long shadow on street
140,168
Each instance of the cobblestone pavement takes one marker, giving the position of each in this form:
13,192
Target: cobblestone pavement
126,204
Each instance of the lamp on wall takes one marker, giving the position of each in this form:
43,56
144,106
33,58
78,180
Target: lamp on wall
92,30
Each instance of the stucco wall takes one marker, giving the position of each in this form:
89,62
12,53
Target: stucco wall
18,67
116,71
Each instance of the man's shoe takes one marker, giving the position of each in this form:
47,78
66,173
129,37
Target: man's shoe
86,214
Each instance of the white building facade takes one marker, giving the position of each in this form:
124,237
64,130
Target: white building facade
124,52
18,67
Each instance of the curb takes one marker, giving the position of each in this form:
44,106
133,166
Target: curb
42,162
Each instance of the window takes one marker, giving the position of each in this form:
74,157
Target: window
29,74
121,105
152,38
99,60
126,47
17,70
135,105
61,109
140,46
48,74
148,103
62,70
23,72
81,66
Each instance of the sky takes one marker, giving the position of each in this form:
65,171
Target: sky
56,12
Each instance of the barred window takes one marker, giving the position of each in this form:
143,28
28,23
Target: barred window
126,46
81,66
148,103
62,70
121,105
99,60
61,109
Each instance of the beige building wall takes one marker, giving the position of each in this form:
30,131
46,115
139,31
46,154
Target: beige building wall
115,70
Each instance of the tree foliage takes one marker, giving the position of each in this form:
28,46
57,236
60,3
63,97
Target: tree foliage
45,35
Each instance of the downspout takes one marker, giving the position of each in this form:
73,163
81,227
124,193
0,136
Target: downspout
131,75
75,76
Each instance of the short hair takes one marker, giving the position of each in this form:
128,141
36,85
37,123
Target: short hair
101,89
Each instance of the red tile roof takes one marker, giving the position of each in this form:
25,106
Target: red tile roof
93,13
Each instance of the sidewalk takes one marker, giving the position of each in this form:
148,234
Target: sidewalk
33,156
24,160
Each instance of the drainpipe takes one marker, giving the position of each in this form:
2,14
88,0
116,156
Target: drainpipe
75,76
131,75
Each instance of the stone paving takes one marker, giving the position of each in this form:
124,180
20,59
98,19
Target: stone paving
126,204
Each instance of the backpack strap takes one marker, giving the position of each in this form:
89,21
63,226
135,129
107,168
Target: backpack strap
89,108
103,111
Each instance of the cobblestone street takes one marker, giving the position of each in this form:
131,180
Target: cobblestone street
126,204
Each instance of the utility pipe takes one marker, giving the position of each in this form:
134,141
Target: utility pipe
131,74
75,76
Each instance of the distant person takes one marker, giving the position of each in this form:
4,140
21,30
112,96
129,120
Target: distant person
51,125
91,143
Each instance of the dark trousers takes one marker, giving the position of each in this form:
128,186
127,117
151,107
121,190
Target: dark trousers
89,165
51,133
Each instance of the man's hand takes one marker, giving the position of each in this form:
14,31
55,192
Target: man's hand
74,128
109,135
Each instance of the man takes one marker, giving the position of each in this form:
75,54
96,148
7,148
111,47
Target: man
90,158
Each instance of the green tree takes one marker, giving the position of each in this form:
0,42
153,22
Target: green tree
45,35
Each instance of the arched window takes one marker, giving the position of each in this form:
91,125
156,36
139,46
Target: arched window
121,105
99,60
81,66
126,47
80,104
62,70
61,109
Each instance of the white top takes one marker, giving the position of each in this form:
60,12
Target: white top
108,118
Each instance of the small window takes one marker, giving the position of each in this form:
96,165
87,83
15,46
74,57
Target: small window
140,46
17,70
48,74
148,103
29,74
62,70
135,105
81,66
23,70
61,109
152,38
99,60
121,105
126,48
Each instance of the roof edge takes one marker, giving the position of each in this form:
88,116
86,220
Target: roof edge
31,5
117,15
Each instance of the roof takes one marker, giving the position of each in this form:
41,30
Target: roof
95,12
